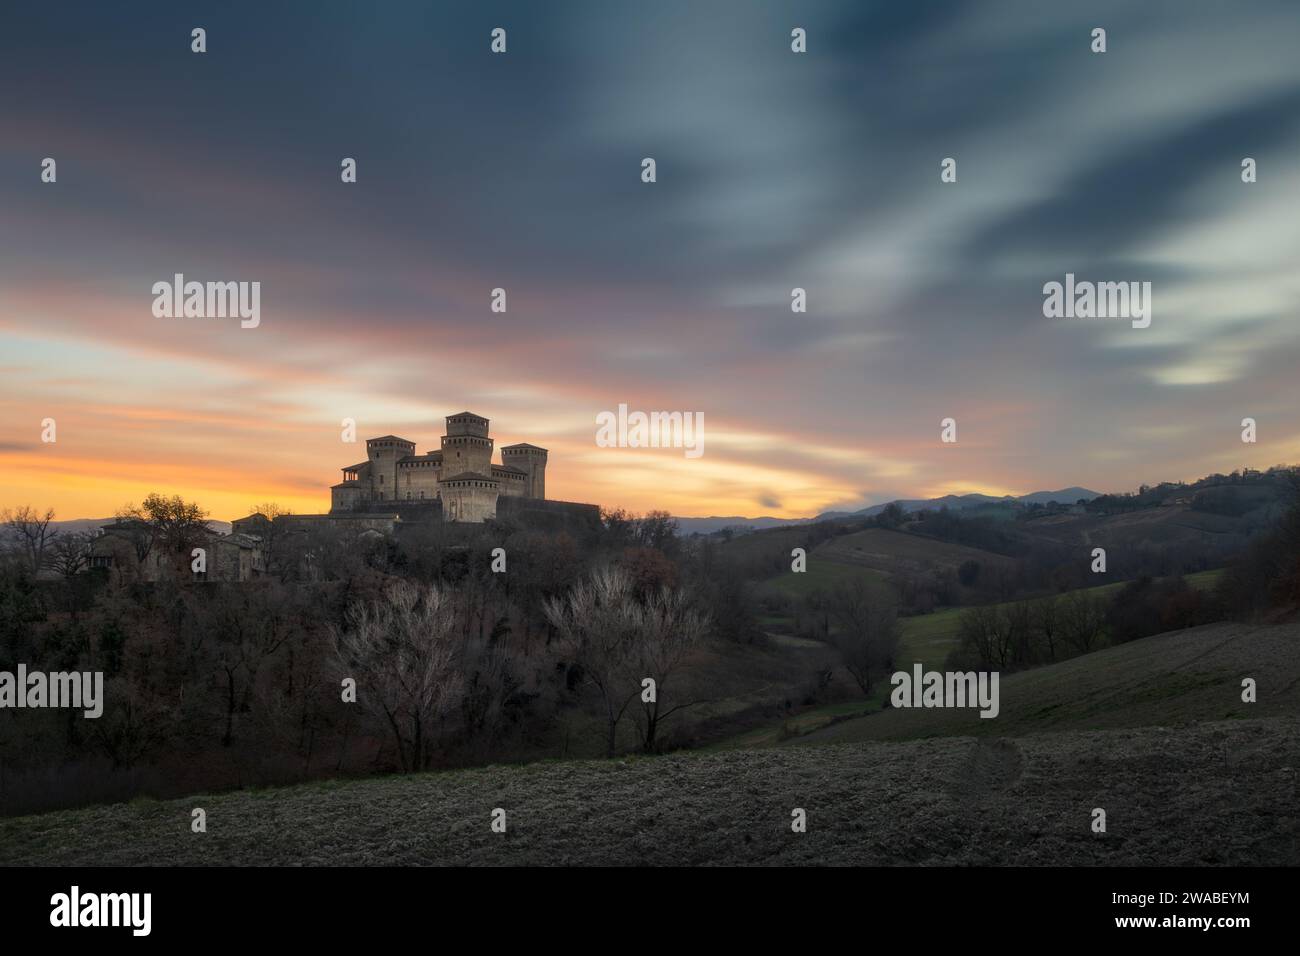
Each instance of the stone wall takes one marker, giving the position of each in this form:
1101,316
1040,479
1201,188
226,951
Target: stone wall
546,515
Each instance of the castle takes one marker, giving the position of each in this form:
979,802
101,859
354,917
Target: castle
460,476
392,491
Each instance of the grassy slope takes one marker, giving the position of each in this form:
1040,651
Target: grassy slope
1216,793
1224,791
925,638
1170,679
893,551
929,638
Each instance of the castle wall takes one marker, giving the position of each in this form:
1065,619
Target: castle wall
349,496
469,500
356,522
516,486
417,480
578,519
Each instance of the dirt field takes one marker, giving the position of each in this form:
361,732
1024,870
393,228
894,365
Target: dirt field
1221,793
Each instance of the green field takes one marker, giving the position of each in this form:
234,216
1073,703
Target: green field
929,638
1167,680
822,576
925,638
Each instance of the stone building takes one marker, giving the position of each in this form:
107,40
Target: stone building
395,491
460,476
128,551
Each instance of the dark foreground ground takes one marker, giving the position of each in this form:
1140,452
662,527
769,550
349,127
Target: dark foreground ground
1216,793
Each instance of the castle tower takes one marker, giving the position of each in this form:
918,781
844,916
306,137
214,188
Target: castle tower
383,455
469,497
466,446
532,460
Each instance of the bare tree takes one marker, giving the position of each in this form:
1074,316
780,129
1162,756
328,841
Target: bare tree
402,653
619,642
489,683
986,630
1018,620
1083,620
867,637
1047,623
242,628
31,530
70,554
669,629
270,510
658,530
599,623
134,723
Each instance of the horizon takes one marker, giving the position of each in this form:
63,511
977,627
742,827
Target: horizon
750,517
776,172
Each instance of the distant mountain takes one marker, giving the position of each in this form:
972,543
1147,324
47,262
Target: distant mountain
1066,496
953,502
80,525
689,526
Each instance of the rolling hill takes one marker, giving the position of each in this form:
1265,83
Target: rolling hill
1168,680
893,552
1183,778
1065,496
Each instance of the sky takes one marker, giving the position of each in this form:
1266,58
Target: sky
523,171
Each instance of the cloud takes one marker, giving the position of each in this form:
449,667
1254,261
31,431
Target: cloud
776,170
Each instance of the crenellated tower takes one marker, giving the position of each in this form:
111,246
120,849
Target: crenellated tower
532,461
466,447
383,454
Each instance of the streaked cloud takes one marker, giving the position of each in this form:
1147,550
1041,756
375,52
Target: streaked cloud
818,171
